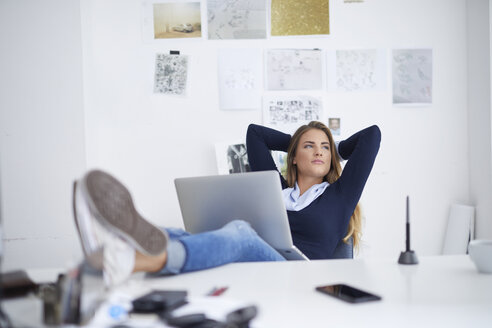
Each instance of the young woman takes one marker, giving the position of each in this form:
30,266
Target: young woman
321,206
321,200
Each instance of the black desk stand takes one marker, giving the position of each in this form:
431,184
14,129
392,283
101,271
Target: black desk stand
408,256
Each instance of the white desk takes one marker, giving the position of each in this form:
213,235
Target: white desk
442,291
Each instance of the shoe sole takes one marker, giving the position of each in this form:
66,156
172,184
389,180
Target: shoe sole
112,205
76,219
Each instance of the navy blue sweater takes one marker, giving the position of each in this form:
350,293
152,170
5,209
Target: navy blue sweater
319,227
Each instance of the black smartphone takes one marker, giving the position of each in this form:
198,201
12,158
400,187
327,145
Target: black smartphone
159,300
348,293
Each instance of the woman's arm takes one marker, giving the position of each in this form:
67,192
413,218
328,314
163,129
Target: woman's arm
360,150
260,141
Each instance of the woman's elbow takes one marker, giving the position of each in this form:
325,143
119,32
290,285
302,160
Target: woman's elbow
254,131
375,133
252,128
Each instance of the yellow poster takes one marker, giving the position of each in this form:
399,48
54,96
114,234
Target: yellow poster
294,17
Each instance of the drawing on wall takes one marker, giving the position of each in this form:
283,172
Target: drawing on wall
236,19
287,114
412,76
240,78
334,124
170,74
294,17
356,70
294,69
177,20
280,160
232,157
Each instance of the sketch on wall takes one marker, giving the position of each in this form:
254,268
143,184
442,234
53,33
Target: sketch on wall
412,76
232,157
280,160
294,17
287,114
236,19
240,78
334,124
356,70
294,69
173,19
171,74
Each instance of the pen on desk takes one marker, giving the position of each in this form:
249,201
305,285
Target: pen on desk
211,291
217,291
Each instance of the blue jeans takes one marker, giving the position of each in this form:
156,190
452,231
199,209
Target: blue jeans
234,242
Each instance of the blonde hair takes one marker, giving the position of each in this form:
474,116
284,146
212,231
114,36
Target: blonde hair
355,224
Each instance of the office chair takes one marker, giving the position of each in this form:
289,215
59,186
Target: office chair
343,250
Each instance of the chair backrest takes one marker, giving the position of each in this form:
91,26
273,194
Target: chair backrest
459,230
344,250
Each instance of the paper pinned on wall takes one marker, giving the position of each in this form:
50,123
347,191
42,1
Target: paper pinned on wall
294,69
335,125
177,20
240,79
294,17
286,114
280,160
412,76
356,70
171,73
236,19
232,157
169,19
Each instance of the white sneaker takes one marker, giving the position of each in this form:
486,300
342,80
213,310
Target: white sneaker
119,260
118,256
106,218
111,205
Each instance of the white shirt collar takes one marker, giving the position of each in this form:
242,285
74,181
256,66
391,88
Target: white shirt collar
296,202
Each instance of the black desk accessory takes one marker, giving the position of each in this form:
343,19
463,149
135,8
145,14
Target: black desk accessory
159,301
240,318
76,295
408,256
16,284
165,302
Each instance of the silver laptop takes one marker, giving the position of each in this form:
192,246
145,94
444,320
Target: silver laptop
209,202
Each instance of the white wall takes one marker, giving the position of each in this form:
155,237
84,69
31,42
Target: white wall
148,140
479,93
41,129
